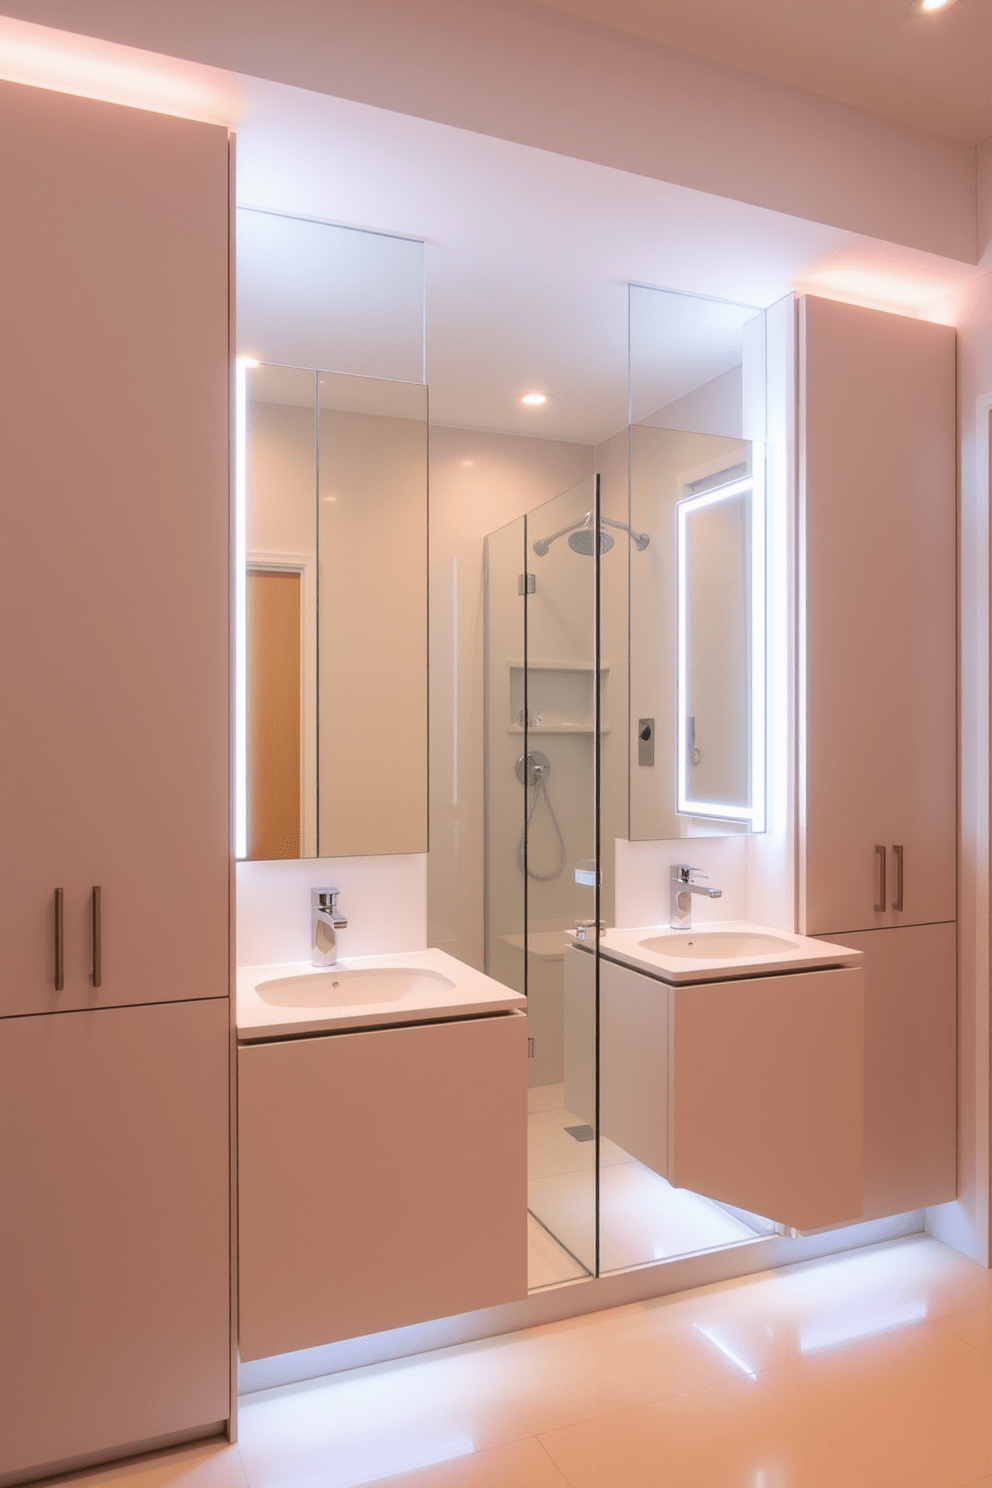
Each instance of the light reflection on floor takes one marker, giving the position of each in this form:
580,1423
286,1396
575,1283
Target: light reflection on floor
868,1370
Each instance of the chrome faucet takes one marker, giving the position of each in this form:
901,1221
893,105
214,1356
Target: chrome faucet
324,924
681,891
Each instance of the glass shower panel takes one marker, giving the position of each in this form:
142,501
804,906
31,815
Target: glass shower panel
556,701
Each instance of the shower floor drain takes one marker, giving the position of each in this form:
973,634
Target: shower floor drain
581,1133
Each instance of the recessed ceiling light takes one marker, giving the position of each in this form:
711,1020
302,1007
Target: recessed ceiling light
534,400
928,7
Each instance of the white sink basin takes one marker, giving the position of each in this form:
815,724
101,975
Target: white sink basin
718,950
388,991
706,945
340,987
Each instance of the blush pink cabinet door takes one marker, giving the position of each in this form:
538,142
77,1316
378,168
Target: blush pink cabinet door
877,702
910,1067
114,550
114,1230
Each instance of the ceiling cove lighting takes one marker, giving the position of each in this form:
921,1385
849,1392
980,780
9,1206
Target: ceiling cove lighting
534,399
89,68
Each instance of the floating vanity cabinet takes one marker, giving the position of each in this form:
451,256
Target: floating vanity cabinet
878,714
748,1091
877,574
114,1231
382,1179
114,781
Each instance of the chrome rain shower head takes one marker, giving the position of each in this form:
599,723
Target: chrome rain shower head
583,541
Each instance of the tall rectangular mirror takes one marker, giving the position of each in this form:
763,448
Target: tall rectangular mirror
697,594
335,614
331,756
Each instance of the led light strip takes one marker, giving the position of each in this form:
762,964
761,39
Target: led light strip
753,484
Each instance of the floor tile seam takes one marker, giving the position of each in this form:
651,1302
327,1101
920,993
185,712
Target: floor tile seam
985,1354
556,1465
793,1410
245,1480
667,1396
844,1452
784,1406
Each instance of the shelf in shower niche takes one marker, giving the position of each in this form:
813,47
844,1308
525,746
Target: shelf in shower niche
558,728
516,665
562,693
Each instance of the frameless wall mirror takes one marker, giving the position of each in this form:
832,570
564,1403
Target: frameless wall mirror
331,756
697,596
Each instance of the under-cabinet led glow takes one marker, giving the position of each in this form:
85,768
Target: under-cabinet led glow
240,578
866,1322
752,485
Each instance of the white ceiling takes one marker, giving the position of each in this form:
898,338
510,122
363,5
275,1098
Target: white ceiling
529,254
934,71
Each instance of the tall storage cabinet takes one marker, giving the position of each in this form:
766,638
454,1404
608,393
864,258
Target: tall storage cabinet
878,714
114,766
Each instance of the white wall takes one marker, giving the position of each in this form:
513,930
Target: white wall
965,1223
528,73
382,898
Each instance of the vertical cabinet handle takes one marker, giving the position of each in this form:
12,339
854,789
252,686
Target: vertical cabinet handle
59,940
97,943
880,859
897,900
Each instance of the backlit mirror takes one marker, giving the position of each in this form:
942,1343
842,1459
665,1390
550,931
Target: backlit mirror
697,594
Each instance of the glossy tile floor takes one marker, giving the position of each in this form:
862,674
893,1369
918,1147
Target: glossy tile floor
869,1369
642,1218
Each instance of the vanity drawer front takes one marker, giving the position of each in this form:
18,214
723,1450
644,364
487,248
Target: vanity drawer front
766,1094
382,1180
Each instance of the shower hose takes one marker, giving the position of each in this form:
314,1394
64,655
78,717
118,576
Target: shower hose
540,789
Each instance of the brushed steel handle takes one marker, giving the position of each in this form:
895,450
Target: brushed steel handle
897,899
97,940
59,940
880,902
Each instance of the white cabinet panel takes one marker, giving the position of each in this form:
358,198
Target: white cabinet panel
877,595
382,1180
766,1094
910,1067
114,549
114,1229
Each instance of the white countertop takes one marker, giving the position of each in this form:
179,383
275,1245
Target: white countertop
802,953
449,990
